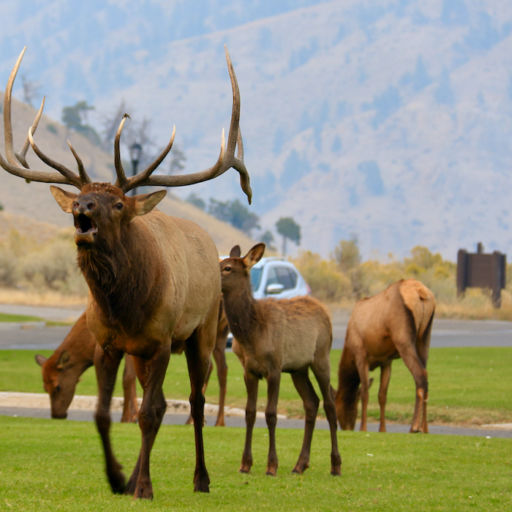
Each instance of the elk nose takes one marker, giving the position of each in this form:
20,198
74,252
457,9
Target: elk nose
85,205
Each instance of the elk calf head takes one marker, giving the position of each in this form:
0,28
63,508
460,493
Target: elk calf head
235,269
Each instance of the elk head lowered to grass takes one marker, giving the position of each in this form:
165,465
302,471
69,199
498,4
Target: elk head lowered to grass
62,370
275,336
396,322
154,281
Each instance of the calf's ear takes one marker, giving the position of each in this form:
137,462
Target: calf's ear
254,255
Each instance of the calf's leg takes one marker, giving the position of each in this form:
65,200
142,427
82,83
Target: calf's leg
310,400
273,382
322,371
251,385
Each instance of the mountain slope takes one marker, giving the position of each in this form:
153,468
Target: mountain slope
390,120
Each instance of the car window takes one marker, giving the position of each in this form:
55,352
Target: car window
256,277
286,277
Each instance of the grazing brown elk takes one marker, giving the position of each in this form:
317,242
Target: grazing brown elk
62,370
154,282
392,324
274,336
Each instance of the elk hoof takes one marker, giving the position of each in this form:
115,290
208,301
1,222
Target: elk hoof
300,468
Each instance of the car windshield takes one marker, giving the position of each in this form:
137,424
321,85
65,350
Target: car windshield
255,277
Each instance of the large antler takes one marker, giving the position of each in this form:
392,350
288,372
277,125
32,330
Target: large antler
226,160
12,160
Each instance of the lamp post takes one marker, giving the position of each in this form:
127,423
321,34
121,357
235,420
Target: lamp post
135,152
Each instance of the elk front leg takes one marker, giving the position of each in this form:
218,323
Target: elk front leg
251,385
273,382
130,408
151,374
385,376
106,364
310,400
362,368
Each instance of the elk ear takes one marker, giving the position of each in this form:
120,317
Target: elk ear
254,255
144,203
235,252
40,360
64,198
63,360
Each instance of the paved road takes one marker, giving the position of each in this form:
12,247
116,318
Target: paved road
445,333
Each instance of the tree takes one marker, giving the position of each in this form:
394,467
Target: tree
194,199
178,159
235,213
30,90
347,255
289,230
75,118
268,239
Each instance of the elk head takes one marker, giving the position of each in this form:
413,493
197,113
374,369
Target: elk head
59,382
235,270
102,209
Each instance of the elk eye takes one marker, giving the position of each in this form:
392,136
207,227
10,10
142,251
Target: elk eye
118,206
227,268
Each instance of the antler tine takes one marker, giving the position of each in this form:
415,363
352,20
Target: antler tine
143,177
21,156
121,176
10,163
84,177
225,161
72,178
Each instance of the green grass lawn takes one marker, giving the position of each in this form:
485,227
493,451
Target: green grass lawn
50,465
7,317
467,385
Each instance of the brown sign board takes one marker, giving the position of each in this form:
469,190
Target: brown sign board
481,270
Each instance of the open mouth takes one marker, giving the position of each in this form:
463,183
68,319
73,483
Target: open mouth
85,230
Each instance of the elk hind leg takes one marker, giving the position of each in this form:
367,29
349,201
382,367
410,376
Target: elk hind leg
106,364
310,399
198,350
415,365
322,373
219,354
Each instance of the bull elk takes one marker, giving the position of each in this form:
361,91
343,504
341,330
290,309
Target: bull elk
62,370
154,281
396,322
275,336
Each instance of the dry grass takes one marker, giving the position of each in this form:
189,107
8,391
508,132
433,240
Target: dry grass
47,298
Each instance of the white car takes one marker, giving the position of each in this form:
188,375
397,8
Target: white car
275,278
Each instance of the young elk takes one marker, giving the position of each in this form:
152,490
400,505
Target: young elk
153,279
62,370
274,336
394,323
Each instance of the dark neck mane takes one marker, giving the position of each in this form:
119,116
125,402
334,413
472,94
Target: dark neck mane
124,280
